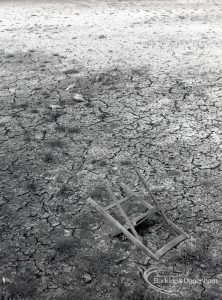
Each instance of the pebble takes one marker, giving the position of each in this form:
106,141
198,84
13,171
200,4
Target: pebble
71,71
115,169
4,120
87,278
78,97
102,36
5,87
55,107
219,276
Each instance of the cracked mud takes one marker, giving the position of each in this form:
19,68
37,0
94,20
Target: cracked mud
85,88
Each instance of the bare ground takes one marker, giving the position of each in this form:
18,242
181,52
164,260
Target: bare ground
150,76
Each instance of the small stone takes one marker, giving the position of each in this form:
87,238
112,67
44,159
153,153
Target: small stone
39,136
90,167
67,232
71,71
102,36
5,280
5,87
4,120
78,97
45,94
44,216
12,90
10,55
219,276
215,165
87,278
55,107
158,188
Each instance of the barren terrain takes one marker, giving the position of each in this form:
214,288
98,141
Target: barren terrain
86,87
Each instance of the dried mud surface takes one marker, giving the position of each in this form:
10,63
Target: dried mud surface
149,76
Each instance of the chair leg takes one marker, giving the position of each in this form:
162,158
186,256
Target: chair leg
130,236
127,220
